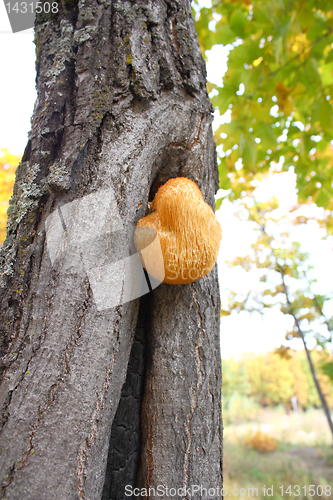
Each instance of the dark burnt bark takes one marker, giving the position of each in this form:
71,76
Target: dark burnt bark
122,107
125,441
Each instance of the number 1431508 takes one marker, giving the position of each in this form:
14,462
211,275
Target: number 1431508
310,490
29,7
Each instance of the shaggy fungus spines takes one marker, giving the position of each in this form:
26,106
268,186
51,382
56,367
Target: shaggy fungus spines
186,231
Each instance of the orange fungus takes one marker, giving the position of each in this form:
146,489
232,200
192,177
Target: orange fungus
179,241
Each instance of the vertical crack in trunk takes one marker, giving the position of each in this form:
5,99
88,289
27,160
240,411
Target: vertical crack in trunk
125,440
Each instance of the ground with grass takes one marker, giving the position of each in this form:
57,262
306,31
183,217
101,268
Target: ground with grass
303,458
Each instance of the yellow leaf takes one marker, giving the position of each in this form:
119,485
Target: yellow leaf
256,62
224,313
284,101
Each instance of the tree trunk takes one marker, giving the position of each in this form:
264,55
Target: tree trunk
121,108
308,355
315,379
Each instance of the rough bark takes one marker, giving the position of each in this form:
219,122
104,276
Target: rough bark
122,107
181,414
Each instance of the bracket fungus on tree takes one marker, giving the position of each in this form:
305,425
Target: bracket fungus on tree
183,230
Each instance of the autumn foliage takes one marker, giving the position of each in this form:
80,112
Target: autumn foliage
278,91
261,442
8,165
271,380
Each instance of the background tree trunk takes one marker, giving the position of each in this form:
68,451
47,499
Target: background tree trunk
122,107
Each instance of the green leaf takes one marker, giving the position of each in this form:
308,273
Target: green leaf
218,203
223,34
326,71
323,198
312,71
250,154
326,115
238,22
316,30
266,133
223,99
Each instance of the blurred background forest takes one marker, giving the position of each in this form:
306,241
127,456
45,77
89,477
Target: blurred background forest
270,79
